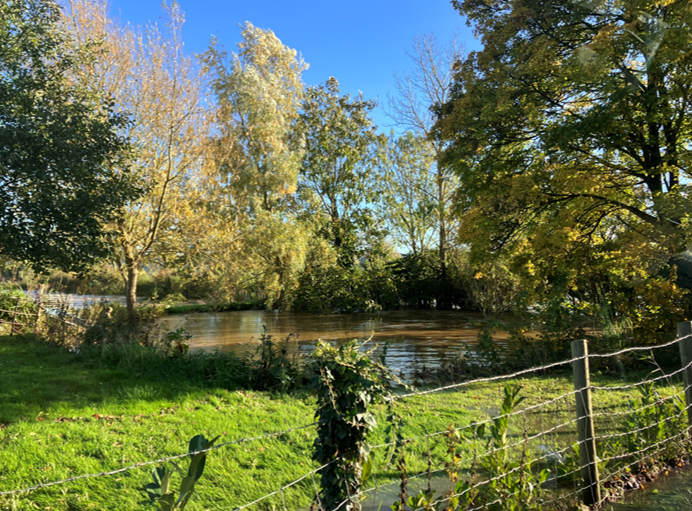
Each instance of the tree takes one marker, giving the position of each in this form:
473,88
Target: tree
409,198
152,79
62,175
570,132
259,91
337,173
418,93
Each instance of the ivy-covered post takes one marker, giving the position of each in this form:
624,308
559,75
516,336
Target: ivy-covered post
347,383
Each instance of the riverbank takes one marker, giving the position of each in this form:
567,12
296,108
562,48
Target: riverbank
192,308
63,414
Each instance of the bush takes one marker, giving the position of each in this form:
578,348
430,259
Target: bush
12,297
190,308
111,326
271,368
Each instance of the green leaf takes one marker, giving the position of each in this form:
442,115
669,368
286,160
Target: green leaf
367,469
154,491
187,485
167,502
199,460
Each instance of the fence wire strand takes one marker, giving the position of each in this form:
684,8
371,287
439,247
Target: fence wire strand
642,382
619,470
154,462
488,379
485,421
555,453
538,369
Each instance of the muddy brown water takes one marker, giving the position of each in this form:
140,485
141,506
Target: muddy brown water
415,339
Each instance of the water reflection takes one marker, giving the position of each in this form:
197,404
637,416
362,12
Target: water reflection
414,338
79,301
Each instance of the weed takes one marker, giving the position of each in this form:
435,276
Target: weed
159,491
271,368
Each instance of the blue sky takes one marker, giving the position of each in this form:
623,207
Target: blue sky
361,43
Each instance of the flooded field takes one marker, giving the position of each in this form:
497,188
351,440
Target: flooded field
414,338
671,493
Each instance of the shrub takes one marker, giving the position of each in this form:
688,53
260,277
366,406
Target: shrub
12,298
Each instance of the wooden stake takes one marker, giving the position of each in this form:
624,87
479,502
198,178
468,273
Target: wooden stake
591,492
14,317
38,313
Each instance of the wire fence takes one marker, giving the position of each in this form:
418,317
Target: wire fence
55,316
155,462
584,444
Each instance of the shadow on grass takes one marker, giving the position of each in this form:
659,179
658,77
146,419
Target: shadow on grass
36,377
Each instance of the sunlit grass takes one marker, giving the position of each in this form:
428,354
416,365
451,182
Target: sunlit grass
63,416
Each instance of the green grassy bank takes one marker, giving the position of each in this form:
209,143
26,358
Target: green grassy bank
63,414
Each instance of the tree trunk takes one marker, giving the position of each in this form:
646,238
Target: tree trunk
131,291
444,298
444,302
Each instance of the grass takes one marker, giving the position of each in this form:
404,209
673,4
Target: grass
62,415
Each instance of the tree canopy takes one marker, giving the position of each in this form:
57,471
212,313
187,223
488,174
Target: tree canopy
259,91
151,79
570,131
337,172
60,145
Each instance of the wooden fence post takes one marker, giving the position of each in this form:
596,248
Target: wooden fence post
591,492
38,313
14,316
685,336
63,318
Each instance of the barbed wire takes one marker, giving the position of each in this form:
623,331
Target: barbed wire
644,428
574,493
537,369
523,411
488,379
504,497
555,453
154,462
643,382
550,454
619,470
19,313
486,421
661,442
421,474
500,476
656,402
640,348
285,487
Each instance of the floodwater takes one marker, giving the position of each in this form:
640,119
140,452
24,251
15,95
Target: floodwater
414,339
80,301
671,493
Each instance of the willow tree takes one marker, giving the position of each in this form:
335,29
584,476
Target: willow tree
258,92
571,133
161,88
